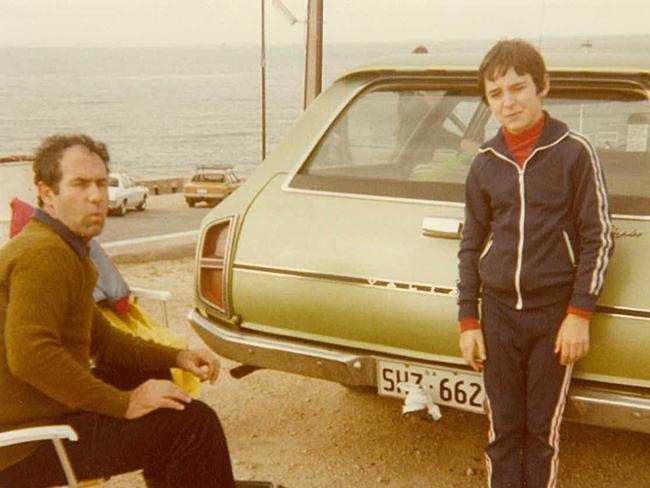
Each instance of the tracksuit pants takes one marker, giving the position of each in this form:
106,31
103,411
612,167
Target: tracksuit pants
526,389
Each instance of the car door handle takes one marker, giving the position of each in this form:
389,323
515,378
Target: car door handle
446,228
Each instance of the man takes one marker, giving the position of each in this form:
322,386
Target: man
52,330
536,244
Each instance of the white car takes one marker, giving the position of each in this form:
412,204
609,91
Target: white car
124,193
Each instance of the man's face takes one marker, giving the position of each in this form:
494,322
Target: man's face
515,101
81,202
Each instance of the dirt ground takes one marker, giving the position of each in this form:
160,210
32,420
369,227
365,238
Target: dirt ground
307,433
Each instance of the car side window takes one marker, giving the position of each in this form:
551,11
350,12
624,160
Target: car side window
409,143
619,129
418,143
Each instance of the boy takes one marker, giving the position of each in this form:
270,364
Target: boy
536,244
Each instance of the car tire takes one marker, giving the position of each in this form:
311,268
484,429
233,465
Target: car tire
142,205
190,202
121,210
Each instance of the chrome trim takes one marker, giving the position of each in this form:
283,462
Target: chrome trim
212,263
446,228
382,283
359,196
586,404
625,312
643,218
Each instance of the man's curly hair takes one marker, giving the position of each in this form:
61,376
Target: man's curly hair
47,158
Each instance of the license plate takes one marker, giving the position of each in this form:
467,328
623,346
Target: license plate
459,389
201,191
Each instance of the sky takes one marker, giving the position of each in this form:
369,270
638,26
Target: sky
136,23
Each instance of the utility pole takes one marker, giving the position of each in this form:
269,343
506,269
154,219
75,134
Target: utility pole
314,51
263,70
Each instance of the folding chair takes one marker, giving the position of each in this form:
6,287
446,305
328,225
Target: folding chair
53,433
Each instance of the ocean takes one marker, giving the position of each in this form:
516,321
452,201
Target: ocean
162,111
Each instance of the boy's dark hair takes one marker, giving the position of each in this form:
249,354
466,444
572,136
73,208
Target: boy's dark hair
512,53
47,167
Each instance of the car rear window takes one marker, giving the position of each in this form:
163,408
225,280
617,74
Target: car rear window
209,177
418,142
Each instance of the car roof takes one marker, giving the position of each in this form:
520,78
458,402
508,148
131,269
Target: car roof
468,62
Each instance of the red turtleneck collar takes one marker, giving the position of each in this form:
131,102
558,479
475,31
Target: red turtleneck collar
522,144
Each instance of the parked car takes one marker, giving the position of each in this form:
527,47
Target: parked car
124,193
210,184
337,259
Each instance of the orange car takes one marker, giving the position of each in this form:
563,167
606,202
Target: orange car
211,184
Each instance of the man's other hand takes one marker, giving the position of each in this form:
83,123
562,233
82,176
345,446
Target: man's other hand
154,394
572,342
473,348
200,362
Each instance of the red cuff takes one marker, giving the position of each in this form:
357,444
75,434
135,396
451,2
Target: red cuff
586,314
469,324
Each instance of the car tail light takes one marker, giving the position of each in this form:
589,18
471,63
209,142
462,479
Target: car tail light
212,265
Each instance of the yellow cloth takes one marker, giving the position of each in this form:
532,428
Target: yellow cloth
139,323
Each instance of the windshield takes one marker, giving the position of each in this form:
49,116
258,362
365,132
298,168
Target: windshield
419,143
112,181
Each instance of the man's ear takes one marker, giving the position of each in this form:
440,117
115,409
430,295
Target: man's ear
45,192
547,86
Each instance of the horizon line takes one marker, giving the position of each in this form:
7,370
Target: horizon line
292,44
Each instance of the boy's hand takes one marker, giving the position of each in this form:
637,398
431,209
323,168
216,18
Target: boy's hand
572,340
473,348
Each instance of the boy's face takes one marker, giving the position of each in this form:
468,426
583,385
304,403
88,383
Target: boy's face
515,101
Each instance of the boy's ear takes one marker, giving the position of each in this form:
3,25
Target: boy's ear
547,86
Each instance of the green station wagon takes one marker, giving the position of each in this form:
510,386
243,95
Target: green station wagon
337,259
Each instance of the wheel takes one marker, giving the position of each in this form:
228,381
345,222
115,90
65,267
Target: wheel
121,210
142,205
190,202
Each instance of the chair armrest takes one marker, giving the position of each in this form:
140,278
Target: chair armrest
31,434
161,295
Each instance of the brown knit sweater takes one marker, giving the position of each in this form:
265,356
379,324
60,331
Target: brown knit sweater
50,330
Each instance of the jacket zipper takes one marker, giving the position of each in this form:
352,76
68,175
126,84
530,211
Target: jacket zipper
522,212
522,220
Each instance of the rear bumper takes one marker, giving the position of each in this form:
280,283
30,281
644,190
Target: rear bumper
599,405
204,196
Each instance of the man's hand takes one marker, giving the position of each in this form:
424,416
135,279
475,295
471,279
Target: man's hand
572,340
473,348
200,362
154,394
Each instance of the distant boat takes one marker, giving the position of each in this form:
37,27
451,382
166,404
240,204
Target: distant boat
586,45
